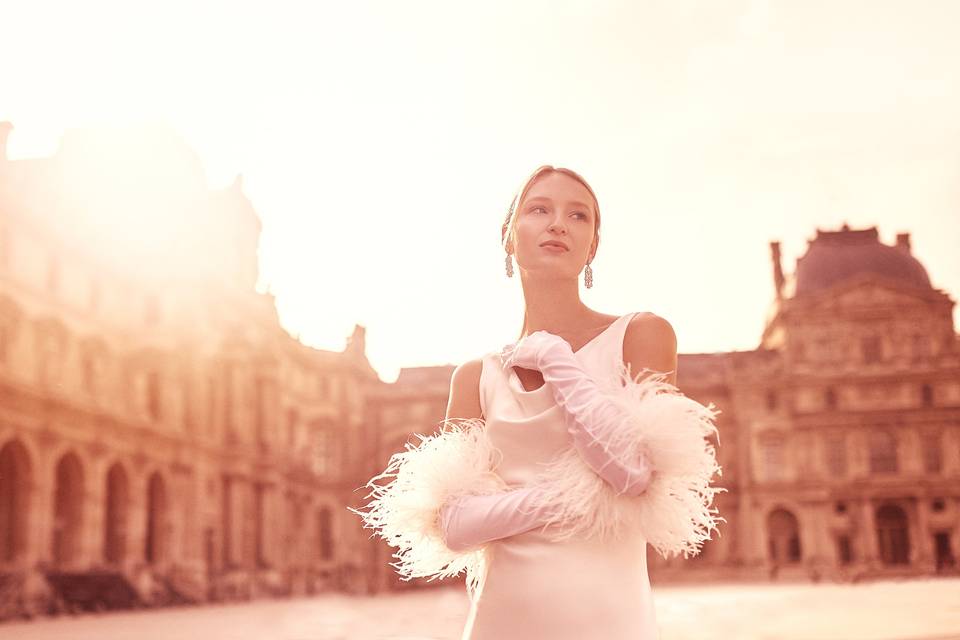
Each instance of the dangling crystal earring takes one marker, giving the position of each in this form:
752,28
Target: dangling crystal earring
509,266
588,276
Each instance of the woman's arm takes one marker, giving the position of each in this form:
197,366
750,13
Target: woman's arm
644,416
468,521
649,344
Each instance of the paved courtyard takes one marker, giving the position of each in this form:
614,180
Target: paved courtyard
893,610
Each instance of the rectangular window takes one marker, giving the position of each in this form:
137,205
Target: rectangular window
772,400
773,459
883,452
326,450
325,533
871,348
932,453
836,456
153,395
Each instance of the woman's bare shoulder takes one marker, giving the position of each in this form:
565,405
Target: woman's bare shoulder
650,342
464,401
469,371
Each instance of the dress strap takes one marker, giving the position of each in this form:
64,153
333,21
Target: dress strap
487,379
611,351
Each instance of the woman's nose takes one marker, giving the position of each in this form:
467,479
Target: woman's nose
556,227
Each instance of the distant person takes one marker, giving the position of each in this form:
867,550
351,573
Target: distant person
558,466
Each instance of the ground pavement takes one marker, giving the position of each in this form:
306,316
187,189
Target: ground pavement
927,609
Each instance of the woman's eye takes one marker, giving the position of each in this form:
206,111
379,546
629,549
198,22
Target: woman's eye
583,216
538,209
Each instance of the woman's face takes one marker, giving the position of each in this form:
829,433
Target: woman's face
555,209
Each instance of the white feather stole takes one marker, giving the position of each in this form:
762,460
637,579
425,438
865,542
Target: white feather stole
457,460
673,514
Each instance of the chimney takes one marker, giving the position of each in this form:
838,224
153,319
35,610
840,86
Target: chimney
5,128
357,343
777,268
903,242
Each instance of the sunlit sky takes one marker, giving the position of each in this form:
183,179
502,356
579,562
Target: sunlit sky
381,142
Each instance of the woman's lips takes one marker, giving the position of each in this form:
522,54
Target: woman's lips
553,248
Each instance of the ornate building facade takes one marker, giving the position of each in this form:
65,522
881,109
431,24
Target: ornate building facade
162,438
839,434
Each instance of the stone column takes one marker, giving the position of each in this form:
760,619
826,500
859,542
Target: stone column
137,518
923,557
868,535
760,540
753,534
815,540
39,517
40,510
954,536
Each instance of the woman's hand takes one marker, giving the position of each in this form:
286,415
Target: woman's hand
594,419
531,351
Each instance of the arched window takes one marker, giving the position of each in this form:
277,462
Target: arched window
68,510
15,486
783,532
893,535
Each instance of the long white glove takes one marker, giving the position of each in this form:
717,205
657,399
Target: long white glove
472,520
582,399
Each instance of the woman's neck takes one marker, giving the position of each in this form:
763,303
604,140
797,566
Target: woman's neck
555,306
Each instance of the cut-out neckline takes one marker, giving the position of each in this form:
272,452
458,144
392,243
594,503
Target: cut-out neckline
519,383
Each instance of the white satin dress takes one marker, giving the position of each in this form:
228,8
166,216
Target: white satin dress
535,588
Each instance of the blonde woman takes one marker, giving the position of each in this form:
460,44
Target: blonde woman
559,467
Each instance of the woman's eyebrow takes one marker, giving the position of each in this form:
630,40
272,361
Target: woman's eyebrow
575,203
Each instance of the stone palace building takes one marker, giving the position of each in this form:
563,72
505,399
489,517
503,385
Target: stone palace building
163,439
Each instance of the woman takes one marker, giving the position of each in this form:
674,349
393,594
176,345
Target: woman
560,466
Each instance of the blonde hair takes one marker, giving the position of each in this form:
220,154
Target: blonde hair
509,229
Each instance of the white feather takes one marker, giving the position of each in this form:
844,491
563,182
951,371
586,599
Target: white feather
457,460
673,515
